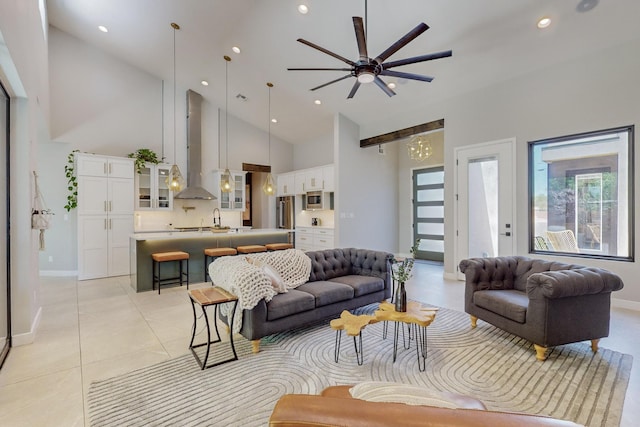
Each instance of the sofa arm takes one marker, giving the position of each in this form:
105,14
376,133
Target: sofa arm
309,410
571,283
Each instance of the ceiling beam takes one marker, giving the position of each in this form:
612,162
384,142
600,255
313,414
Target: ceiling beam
402,133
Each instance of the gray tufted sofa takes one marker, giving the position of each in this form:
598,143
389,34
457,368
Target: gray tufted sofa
340,279
548,303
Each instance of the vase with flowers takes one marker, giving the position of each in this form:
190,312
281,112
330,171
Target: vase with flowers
401,272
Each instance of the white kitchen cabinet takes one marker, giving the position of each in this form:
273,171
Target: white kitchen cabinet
314,238
105,215
328,180
313,179
286,184
104,166
103,245
234,201
299,178
152,191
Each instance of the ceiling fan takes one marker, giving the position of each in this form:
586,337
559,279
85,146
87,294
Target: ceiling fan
366,69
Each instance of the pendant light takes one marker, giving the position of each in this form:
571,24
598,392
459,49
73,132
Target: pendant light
268,187
175,181
227,184
419,148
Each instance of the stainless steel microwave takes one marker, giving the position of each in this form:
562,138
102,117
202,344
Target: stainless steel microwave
314,200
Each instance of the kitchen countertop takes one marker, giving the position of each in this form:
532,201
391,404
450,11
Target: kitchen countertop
206,233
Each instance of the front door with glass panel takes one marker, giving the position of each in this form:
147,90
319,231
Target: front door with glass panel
485,203
428,213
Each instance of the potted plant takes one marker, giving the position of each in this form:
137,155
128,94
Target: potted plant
142,156
401,272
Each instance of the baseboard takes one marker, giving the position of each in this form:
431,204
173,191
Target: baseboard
625,303
28,337
58,273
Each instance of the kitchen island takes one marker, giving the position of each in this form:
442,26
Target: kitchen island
143,244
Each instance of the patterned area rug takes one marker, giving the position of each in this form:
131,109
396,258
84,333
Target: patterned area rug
488,363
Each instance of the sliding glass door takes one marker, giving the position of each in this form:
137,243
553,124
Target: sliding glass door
5,312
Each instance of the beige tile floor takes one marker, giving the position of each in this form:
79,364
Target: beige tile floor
96,329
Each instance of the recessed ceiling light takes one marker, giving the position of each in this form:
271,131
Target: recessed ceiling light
391,85
544,22
303,9
103,28
236,49
317,102
274,120
204,83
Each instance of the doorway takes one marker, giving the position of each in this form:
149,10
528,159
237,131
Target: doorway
485,200
428,213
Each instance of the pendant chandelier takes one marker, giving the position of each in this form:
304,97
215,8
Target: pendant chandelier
419,148
227,184
175,181
269,187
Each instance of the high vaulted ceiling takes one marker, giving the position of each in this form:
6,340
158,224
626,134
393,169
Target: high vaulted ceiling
492,41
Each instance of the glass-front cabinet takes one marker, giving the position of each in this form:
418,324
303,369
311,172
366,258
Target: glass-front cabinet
235,200
152,192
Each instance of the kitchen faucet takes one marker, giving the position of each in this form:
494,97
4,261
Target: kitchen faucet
214,218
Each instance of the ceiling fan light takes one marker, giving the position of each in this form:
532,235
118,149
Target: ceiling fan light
366,77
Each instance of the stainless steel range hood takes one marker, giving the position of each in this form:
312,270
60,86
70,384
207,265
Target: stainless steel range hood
194,188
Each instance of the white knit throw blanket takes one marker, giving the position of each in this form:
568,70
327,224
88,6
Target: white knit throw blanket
250,283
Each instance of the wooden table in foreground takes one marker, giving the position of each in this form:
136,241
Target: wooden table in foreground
417,315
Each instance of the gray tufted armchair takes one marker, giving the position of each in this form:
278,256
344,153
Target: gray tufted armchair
548,303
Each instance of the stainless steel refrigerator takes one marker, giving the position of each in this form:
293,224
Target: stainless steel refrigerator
285,212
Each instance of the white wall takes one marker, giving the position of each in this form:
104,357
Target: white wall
367,191
24,73
314,153
406,166
590,93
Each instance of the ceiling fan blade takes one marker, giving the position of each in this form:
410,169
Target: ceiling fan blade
382,85
410,76
419,29
328,52
360,38
354,89
332,82
319,69
415,59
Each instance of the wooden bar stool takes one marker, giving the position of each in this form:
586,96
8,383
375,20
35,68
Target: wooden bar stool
278,246
159,258
251,249
214,253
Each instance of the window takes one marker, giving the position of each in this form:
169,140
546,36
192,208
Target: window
581,194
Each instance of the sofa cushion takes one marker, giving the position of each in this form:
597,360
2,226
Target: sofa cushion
362,285
511,304
327,293
292,302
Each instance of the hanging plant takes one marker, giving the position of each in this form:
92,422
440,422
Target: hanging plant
72,182
142,156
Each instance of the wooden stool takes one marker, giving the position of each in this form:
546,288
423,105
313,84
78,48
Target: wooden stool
205,298
214,253
251,249
278,246
159,258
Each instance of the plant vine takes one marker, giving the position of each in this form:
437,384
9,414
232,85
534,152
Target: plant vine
142,156
72,182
